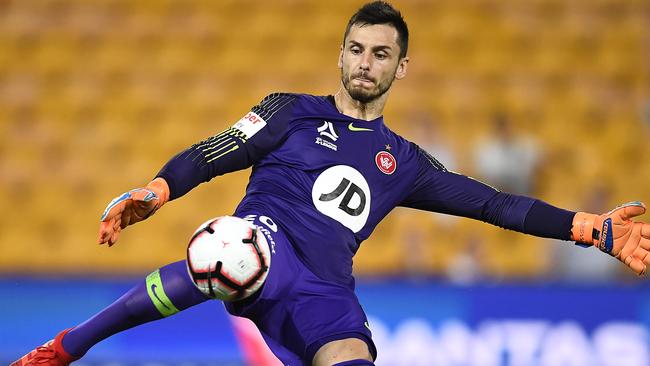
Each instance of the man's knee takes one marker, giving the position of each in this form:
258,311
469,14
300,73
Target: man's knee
343,352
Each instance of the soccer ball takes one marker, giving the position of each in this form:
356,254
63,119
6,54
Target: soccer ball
228,258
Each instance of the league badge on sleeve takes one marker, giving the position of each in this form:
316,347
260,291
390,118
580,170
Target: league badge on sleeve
250,124
386,162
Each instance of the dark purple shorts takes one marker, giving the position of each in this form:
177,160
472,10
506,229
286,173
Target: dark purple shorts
297,312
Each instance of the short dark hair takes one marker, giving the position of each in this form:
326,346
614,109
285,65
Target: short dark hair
381,12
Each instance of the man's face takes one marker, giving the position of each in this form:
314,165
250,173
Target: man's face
369,61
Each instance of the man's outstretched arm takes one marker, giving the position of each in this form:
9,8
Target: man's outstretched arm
236,148
438,190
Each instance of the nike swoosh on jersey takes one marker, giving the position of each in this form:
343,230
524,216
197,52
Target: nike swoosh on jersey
356,129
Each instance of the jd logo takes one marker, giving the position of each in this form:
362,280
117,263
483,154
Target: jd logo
354,190
343,194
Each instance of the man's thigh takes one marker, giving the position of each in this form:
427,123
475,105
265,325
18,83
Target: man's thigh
342,350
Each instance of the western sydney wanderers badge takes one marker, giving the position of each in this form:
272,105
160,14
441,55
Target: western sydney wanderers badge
386,162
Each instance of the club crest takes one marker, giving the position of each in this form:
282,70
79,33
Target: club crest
386,162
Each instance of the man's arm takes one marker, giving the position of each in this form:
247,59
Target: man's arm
238,147
439,190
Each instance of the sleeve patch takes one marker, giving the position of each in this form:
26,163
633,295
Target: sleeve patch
250,124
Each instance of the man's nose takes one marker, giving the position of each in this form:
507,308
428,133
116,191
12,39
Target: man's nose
365,62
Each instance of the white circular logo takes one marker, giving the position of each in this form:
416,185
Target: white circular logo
342,193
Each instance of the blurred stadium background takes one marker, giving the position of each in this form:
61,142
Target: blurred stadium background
95,96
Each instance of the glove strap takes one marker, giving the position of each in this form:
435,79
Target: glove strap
160,187
582,230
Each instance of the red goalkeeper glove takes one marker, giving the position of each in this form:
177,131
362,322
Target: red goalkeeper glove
131,207
616,234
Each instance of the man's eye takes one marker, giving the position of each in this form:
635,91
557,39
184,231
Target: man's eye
380,56
355,51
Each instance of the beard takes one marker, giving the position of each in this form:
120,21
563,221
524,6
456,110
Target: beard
361,94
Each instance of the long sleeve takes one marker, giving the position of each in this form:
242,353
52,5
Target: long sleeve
438,190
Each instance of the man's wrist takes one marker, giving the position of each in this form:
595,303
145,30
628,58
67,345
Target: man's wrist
583,227
160,187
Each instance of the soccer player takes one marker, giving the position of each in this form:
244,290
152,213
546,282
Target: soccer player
326,171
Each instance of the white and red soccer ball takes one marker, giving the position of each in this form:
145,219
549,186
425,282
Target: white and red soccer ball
228,258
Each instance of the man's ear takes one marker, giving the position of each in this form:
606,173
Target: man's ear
401,68
340,63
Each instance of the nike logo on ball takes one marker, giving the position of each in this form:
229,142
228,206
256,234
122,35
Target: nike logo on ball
356,129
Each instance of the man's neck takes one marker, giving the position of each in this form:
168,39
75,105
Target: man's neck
355,109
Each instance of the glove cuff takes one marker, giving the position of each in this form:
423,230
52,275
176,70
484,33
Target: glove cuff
583,227
160,187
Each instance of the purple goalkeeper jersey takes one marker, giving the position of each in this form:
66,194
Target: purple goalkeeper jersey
328,179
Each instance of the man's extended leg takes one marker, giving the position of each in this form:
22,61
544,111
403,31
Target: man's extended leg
163,293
